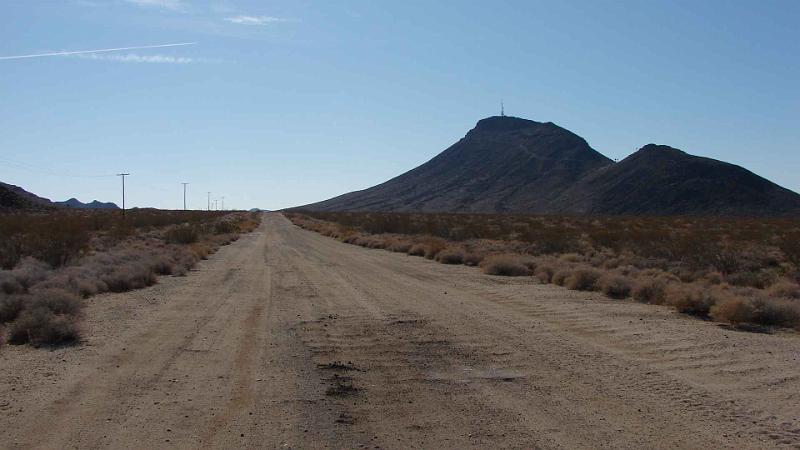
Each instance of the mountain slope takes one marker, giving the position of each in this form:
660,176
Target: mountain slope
94,204
15,198
661,180
504,164
513,165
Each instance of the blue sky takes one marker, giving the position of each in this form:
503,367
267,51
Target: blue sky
284,103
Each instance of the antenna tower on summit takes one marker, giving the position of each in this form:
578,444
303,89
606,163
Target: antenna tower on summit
502,109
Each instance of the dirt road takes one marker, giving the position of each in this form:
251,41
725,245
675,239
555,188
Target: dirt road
287,339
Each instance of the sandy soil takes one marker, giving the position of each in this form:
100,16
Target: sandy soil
287,339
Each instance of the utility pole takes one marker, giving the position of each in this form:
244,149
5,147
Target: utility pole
502,109
223,203
209,200
123,175
184,195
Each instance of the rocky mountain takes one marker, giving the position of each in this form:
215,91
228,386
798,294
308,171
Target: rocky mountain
513,165
94,204
15,198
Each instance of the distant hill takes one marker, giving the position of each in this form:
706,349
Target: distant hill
513,165
94,204
15,198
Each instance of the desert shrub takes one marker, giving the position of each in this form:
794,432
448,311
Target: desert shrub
225,227
758,279
417,250
57,301
545,273
40,326
433,246
399,246
10,307
473,259
129,276
450,255
201,251
734,310
163,266
777,312
650,290
30,271
582,280
785,289
505,265
9,284
560,276
571,258
690,299
182,234
615,286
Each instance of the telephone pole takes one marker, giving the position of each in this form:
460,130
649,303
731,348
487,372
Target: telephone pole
184,195
123,175
209,200
223,203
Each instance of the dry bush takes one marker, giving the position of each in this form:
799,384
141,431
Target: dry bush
129,276
650,290
758,279
417,250
30,271
692,299
505,265
778,312
182,234
473,259
9,284
399,246
57,301
46,317
571,258
433,246
40,326
582,280
615,286
545,273
451,255
785,289
560,276
734,310
10,307
201,251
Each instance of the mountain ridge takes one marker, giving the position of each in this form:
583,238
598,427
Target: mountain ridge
514,165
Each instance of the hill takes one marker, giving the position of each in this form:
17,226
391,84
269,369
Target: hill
94,204
513,165
504,164
15,198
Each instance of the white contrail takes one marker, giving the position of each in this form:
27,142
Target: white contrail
80,52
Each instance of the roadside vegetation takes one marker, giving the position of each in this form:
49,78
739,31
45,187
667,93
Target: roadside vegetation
742,272
51,261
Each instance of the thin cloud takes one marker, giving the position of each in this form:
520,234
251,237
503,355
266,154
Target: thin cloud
174,5
135,58
255,20
104,50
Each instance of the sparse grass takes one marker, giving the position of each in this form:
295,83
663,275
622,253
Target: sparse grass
693,264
